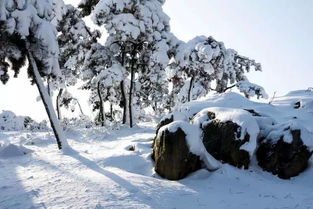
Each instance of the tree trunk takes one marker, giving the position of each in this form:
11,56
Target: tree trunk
58,132
190,88
111,112
58,103
132,76
123,102
123,90
48,85
101,111
130,98
80,108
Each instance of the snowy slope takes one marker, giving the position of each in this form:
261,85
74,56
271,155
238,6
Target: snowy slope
103,173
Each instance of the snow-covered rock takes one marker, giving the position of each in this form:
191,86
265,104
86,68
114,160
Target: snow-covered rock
178,150
233,128
173,159
246,124
229,134
285,149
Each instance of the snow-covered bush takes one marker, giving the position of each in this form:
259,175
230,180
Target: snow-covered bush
81,122
11,122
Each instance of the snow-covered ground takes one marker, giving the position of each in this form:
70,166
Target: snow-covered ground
103,173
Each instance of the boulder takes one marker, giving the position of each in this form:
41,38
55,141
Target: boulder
282,158
221,140
173,159
164,121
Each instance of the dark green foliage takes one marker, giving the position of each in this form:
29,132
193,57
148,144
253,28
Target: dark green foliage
12,53
87,6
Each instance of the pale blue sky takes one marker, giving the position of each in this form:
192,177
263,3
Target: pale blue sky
277,33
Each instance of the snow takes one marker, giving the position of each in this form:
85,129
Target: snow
251,89
12,150
241,117
110,76
11,122
104,174
278,115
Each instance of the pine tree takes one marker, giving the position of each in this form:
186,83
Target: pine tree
135,28
75,40
26,33
102,74
203,61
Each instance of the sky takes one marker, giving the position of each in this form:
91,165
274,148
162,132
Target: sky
278,34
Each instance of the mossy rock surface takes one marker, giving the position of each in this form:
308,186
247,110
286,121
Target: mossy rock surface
173,160
221,140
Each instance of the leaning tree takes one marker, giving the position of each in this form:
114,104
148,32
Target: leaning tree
26,33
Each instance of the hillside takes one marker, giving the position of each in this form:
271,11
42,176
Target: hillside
105,172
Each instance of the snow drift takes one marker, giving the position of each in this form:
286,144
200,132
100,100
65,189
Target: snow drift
11,150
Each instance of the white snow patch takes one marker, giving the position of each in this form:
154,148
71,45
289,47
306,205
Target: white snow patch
11,150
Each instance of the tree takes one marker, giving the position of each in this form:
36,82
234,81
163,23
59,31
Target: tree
102,74
135,28
195,66
153,86
204,61
75,40
26,33
67,100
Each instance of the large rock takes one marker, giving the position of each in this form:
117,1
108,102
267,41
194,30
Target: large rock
173,159
165,121
221,140
224,138
281,158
